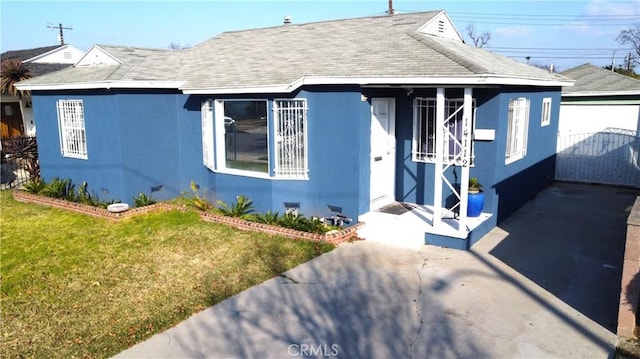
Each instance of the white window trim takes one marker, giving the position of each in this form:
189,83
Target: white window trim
416,130
517,136
546,112
64,107
220,165
212,109
208,149
305,160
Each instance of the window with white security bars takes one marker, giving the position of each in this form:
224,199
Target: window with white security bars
290,138
517,129
73,141
425,133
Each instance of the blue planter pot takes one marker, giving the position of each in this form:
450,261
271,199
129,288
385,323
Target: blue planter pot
475,204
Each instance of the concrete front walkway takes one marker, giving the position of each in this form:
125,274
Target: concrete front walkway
367,300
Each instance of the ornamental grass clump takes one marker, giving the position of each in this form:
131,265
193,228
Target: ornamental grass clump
241,208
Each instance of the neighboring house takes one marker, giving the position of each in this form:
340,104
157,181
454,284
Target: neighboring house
598,129
354,114
17,114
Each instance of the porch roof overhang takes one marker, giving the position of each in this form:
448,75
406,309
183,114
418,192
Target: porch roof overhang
461,81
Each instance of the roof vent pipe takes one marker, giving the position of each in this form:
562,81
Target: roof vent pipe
287,20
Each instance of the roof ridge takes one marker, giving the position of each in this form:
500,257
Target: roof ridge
457,58
621,76
602,70
134,47
333,21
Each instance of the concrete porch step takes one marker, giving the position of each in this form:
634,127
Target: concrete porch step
388,229
414,228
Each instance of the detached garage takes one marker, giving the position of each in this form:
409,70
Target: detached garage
599,127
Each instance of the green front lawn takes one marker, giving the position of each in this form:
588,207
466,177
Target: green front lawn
76,286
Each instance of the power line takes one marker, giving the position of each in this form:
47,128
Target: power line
574,24
552,48
542,15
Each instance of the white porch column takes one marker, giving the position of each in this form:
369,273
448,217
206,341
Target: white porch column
467,114
439,160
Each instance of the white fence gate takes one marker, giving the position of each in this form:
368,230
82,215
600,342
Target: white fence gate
609,157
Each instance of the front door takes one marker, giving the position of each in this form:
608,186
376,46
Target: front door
11,120
383,152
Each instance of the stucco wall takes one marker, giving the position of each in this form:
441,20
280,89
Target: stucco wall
103,170
516,183
337,120
137,141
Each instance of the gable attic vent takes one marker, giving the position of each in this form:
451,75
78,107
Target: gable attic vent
440,26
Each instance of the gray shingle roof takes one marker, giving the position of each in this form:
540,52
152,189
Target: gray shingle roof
144,64
138,64
27,53
380,47
384,46
37,69
595,80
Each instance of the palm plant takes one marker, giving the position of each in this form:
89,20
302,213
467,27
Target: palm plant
12,71
24,148
242,208
268,218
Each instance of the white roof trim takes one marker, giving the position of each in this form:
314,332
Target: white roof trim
363,81
103,85
97,48
46,53
601,93
287,88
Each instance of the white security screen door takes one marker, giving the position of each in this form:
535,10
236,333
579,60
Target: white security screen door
383,152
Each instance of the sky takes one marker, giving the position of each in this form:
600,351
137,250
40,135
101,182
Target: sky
562,33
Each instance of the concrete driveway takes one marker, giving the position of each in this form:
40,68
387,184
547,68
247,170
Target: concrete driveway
528,289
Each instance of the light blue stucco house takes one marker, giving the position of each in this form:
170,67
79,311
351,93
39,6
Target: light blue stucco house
356,114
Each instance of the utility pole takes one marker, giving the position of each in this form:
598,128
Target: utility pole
60,27
612,60
390,11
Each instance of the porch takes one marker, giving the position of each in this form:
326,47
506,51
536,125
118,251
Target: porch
411,225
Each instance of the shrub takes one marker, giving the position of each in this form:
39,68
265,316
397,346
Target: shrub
301,223
242,208
65,189
34,186
142,200
58,188
268,218
198,201
83,196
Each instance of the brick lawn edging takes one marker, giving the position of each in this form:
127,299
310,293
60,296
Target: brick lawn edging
334,237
